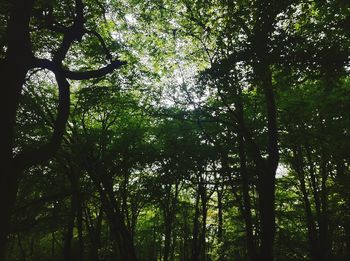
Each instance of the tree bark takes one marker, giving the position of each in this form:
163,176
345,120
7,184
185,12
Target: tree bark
67,247
267,216
314,245
14,69
220,216
167,238
119,231
169,216
262,30
325,242
185,245
347,238
195,232
18,60
204,201
247,213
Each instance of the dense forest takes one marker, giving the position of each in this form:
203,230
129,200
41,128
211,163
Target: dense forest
163,130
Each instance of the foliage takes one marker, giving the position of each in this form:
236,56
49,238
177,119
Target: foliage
222,110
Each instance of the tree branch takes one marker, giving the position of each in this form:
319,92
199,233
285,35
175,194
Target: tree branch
94,73
71,34
31,157
75,75
102,42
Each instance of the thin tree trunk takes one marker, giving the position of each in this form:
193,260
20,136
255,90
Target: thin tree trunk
32,242
119,231
173,245
114,216
195,248
124,196
80,227
314,185
167,234
343,178
67,248
154,243
53,245
250,240
325,242
310,221
169,216
185,251
220,218
21,248
204,225
96,242
347,238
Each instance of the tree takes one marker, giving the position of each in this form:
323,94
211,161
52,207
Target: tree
20,57
225,137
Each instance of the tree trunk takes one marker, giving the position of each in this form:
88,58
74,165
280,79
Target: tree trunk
67,248
343,180
8,191
21,248
119,231
195,247
314,246
167,234
267,167
53,246
325,242
267,215
185,251
124,196
247,213
80,227
220,218
204,225
94,233
13,70
169,216
347,238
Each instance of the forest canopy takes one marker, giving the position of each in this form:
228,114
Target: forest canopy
204,130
